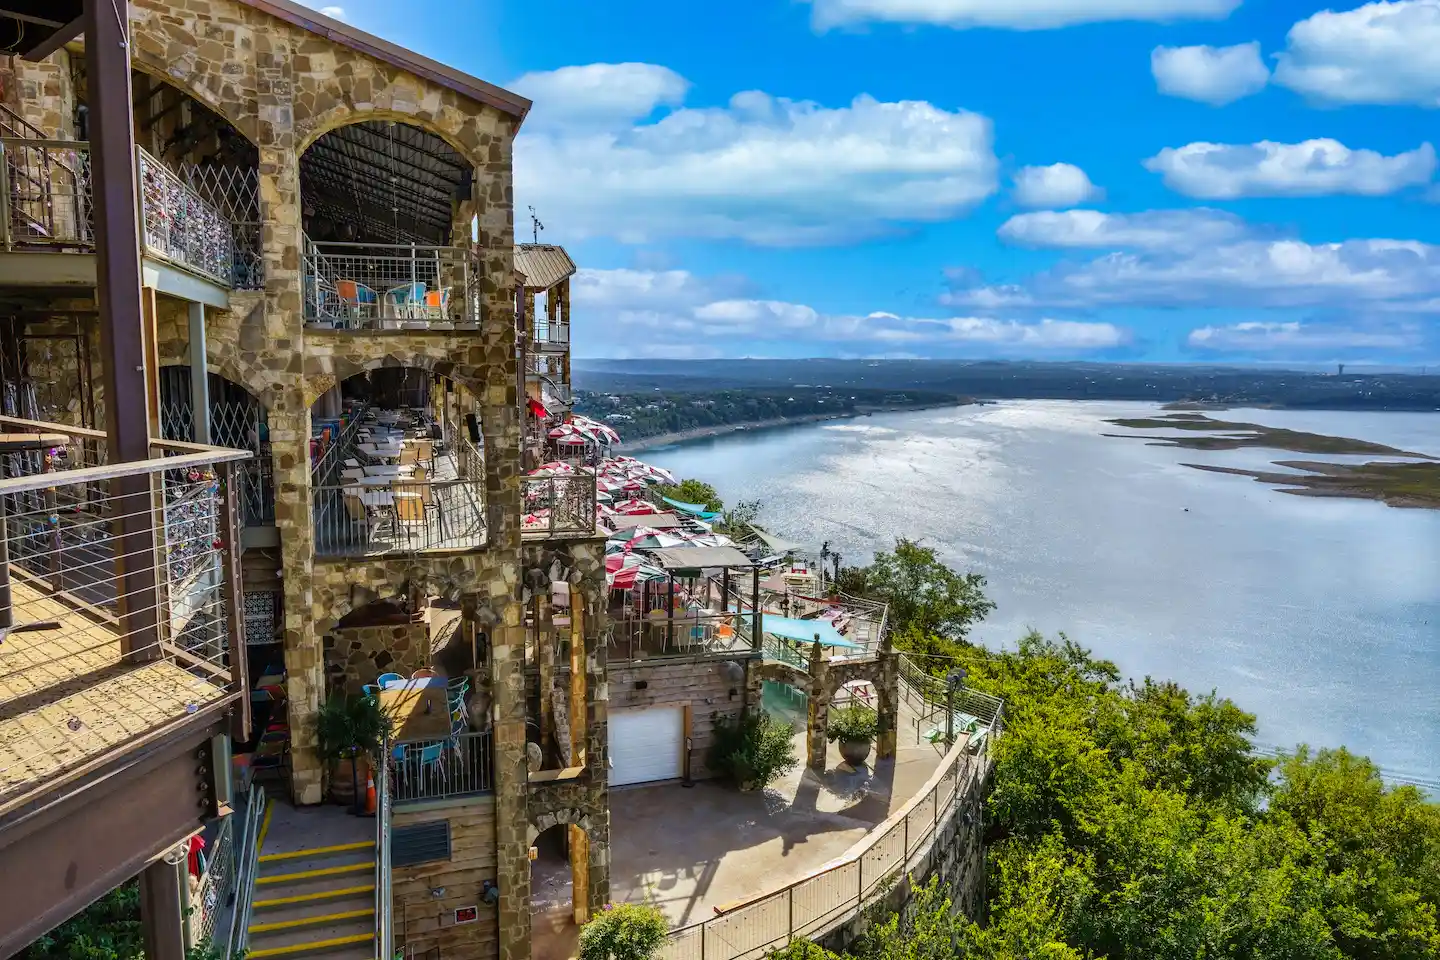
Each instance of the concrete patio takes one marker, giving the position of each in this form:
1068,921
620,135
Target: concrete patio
691,849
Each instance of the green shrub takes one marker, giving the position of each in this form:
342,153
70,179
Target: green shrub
624,931
348,726
802,950
753,750
852,723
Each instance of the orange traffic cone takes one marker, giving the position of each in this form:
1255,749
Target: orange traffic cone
370,793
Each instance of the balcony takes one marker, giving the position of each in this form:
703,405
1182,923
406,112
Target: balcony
85,677
354,286
550,337
461,766
559,507
48,207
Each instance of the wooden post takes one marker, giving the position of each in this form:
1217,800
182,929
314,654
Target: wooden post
199,375
579,873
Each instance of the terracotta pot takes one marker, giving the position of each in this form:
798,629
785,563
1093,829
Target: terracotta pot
347,776
855,752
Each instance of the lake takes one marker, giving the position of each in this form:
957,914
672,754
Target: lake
1322,616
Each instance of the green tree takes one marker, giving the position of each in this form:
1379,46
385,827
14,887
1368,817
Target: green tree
924,595
693,491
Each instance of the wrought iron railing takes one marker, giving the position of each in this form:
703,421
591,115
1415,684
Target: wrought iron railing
326,469
240,426
391,287
559,506
46,194
149,639
181,226
435,769
816,904
399,517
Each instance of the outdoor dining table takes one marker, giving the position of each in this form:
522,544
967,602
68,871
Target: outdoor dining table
379,450
418,709
385,470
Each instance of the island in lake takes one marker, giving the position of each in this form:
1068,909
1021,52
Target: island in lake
1415,484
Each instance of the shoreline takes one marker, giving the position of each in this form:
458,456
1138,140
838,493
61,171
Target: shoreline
724,429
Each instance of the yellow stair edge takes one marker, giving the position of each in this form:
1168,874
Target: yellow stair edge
312,874
317,851
312,945
317,895
310,921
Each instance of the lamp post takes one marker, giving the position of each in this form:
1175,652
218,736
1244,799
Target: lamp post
954,681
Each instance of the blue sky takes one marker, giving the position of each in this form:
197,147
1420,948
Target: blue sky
1173,180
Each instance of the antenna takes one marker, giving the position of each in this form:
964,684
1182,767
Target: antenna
535,226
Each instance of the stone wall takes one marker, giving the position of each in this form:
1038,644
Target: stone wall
423,920
696,683
355,656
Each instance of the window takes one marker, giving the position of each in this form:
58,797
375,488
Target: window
420,843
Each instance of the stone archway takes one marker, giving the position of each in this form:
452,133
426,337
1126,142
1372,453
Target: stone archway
585,847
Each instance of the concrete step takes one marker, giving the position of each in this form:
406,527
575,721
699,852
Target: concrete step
326,890
297,917
358,868
306,943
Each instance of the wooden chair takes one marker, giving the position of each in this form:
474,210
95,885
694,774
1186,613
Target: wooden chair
409,509
359,517
408,454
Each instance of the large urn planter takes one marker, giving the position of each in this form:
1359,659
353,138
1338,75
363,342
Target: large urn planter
855,752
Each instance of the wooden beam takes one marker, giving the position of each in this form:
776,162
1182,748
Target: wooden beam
61,36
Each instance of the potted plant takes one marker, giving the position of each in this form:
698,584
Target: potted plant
753,749
351,732
855,727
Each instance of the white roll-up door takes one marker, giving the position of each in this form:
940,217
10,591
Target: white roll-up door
646,745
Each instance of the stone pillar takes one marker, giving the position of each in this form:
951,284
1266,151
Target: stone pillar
819,703
545,639
511,786
590,596
44,94
887,693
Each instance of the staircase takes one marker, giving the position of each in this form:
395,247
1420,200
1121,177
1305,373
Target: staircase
315,900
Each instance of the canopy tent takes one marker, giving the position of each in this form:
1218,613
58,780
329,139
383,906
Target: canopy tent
807,631
701,558
698,509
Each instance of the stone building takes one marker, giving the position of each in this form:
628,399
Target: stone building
328,262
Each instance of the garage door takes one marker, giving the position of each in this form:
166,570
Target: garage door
646,745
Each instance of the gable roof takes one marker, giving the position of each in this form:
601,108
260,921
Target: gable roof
543,264
371,45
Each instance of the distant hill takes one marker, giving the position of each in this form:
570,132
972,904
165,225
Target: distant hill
1013,380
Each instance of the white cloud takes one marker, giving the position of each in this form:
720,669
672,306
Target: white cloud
675,313
763,169
1223,171
600,94
337,13
1012,14
1388,276
1294,338
1058,185
1379,53
1213,75
1148,230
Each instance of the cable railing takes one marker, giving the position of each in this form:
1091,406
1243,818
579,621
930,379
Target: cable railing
560,505
815,905
460,766
550,336
109,638
182,226
357,286
399,516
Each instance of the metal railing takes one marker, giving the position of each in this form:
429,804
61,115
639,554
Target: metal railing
325,470
930,701
46,193
384,895
217,884
237,937
816,904
435,769
401,517
87,650
391,287
180,225
559,506
553,336
240,426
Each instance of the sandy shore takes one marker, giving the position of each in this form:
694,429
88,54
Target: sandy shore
720,430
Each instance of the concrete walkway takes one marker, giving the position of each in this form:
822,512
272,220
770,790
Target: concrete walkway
689,850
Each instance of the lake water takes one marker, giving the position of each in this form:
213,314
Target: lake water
1322,616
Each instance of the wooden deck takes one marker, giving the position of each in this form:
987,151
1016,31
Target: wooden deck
66,696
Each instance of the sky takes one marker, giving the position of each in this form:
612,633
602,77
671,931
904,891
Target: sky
1161,180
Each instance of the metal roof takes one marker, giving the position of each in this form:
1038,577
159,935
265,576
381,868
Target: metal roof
697,558
543,264
655,521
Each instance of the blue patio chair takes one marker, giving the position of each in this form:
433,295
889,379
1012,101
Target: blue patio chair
385,678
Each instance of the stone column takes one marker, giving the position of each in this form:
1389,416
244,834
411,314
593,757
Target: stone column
819,703
887,693
511,786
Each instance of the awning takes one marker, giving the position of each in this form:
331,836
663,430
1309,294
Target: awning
659,521
538,409
776,544
699,509
701,558
807,631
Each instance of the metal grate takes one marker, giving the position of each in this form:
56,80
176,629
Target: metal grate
420,843
260,616
235,192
